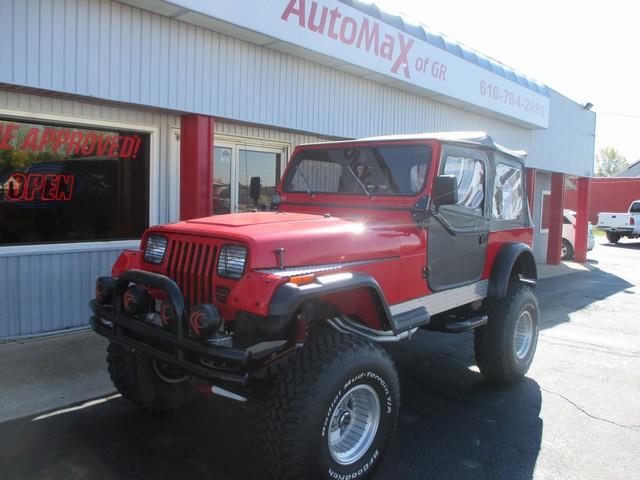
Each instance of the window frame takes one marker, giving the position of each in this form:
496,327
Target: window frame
294,158
472,154
523,220
235,144
153,215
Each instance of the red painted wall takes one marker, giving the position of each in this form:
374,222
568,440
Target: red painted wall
607,195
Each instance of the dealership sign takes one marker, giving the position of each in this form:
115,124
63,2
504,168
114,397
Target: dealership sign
340,31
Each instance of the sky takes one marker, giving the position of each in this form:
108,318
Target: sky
586,50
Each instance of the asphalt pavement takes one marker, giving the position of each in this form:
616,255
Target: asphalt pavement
575,416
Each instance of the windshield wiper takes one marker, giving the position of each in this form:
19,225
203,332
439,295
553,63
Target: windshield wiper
299,170
362,185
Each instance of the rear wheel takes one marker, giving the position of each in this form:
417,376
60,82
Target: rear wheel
505,346
332,409
566,250
146,382
613,237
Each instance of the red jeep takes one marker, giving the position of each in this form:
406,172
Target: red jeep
370,240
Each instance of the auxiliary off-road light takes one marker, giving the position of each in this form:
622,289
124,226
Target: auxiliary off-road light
104,289
136,300
155,249
204,321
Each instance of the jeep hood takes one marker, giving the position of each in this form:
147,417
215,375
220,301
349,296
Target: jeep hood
307,239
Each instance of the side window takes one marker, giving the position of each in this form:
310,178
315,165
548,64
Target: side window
508,193
470,175
635,207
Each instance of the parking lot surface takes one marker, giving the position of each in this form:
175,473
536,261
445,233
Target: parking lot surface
575,416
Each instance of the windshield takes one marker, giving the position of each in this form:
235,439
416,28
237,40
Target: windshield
382,170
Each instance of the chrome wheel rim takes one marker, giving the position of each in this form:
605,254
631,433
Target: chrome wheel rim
563,250
354,424
523,337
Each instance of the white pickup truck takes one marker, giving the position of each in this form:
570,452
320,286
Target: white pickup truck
618,225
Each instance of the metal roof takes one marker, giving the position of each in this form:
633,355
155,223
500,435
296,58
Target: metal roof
439,40
462,138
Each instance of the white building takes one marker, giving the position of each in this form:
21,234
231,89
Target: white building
96,97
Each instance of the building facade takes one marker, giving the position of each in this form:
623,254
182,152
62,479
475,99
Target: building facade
119,115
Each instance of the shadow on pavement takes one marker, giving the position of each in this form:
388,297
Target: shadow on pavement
630,245
560,296
452,425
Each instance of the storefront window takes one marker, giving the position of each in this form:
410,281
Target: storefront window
61,183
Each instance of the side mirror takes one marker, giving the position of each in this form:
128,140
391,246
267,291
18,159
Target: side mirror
255,189
445,190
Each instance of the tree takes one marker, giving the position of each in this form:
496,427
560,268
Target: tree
609,162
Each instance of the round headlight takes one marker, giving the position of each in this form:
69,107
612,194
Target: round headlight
155,249
231,261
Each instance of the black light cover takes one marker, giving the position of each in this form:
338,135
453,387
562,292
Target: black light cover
104,289
136,300
204,321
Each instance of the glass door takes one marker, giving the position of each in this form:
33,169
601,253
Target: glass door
257,163
234,164
222,161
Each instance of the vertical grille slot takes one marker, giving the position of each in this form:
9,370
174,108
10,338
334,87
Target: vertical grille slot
191,266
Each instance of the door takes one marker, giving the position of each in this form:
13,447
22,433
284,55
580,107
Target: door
263,163
235,162
458,234
222,163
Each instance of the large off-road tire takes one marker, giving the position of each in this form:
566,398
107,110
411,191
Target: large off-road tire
567,250
505,346
332,409
146,383
613,237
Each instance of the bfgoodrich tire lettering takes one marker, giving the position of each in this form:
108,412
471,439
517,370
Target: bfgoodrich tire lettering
503,353
307,391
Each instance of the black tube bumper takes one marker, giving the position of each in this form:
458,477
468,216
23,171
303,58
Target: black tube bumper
212,363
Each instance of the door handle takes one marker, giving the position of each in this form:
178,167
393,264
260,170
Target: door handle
483,239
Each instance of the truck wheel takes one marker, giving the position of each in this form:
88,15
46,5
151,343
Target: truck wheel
505,346
147,383
613,237
332,409
566,250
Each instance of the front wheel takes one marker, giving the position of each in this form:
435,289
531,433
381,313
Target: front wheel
154,386
332,410
505,346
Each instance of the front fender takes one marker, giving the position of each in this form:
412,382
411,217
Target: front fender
289,297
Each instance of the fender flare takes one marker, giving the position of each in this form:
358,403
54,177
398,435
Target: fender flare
508,256
289,297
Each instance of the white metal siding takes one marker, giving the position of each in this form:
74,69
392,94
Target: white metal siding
105,49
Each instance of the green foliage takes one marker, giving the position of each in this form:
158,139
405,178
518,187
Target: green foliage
609,162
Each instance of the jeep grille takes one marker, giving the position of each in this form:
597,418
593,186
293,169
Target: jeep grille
192,265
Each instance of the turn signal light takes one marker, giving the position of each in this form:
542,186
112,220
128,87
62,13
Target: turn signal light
303,279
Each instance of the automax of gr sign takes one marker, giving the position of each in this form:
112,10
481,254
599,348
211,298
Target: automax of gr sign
345,33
